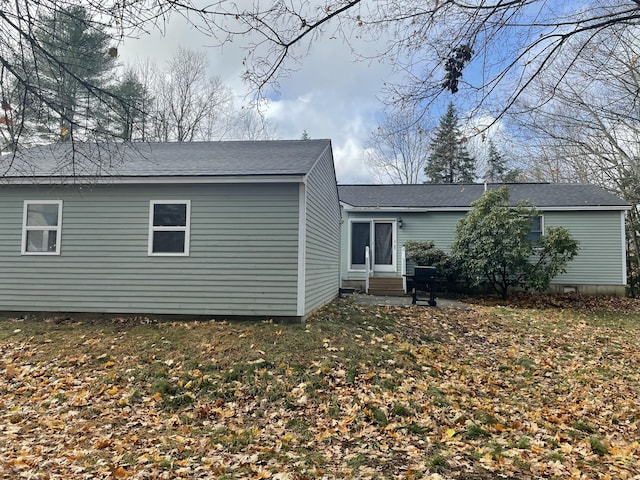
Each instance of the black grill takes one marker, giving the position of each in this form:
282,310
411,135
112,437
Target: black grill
424,279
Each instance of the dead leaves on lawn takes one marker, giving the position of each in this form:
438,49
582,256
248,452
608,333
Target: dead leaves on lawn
358,392
575,302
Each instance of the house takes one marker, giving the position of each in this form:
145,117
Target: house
203,228
384,217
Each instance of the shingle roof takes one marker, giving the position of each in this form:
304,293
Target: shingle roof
232,158
461,195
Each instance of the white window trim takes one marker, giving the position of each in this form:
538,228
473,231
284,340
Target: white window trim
56,228
186,229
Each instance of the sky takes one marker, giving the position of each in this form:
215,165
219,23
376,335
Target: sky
331,95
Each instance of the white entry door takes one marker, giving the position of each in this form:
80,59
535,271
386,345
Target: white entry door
380,237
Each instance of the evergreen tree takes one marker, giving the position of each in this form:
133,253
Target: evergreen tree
497,171
72,67
132,100
449,161
495,164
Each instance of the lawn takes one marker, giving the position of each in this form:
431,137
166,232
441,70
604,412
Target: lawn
545,388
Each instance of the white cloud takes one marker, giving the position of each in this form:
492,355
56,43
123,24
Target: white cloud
330,96
350,166
346,121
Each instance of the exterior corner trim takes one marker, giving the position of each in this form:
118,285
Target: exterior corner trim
623,236
302,248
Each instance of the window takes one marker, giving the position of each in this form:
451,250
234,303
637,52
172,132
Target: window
535,232
41,227
169,227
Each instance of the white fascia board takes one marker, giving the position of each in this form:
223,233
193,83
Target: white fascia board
134,180
351,208
585,208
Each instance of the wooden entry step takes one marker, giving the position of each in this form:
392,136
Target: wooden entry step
387,286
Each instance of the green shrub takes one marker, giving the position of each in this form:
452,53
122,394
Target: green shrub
426,253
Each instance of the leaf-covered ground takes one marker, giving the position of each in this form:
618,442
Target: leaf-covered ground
545,388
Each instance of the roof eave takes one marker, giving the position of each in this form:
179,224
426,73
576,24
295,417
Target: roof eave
567,208
581,208
151,180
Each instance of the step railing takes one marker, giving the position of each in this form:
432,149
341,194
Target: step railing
367,264
403,267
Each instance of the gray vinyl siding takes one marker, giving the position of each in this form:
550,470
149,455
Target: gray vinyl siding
322,249
439,227
601,256
243,252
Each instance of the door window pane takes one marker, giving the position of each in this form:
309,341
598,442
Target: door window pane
384,243
360,239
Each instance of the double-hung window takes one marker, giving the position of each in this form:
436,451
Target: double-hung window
41,227
169,225
537,229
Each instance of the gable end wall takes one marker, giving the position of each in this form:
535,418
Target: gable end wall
322,246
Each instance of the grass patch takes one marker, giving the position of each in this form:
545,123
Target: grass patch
416,429
555,457
524,443
486,418
437,464
597,446
376,415
583,426
525,362
438,396
475,431
400,410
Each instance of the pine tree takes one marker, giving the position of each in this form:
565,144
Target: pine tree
495,164
74,69
497,171
449,161
131,102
